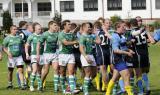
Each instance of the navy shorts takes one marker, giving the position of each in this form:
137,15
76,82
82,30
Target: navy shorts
120,66
103,57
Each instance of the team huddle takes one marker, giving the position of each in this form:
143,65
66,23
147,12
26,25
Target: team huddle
115,56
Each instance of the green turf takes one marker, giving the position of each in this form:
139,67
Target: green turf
154,77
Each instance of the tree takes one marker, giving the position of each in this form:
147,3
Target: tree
7,21
57,17
115,19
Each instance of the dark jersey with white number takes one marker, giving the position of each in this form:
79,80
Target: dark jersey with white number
103,49
140,43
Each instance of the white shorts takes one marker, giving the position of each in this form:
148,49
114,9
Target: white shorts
15,61
50,58
85,63
65,59
34,59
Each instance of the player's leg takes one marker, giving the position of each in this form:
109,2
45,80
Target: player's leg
71,70
111,83
19,64
145,71
63,63
34,72
55,67
126,78
45,69
87,71
21,76
39,71
10,78
11,65
139,81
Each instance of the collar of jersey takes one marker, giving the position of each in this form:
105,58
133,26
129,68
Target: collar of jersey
36,34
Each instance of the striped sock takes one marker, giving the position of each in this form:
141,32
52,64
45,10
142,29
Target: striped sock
62,81
39,81
86,84
71,82
32,79
55,79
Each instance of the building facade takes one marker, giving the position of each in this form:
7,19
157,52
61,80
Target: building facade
78,10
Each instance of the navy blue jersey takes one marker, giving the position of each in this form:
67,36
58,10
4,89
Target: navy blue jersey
119,43
105,42
141,44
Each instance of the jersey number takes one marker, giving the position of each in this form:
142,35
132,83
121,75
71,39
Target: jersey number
141,39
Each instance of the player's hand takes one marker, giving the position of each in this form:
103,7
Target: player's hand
38,58
88,60
10,56
131,51
129,54
75,42
27,57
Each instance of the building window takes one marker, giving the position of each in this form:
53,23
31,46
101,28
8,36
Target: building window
114,4
66,6
157,4
1,8
44,8
138,4
90,5
18,7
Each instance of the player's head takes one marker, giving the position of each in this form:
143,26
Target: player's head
133,23
30,27
37,28
97,25
128,25
23,24
101,20
139,20
86,27
53,26
107,23
66,25
13,29
120,27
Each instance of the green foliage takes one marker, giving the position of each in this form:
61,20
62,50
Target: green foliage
7,21
156,24
115,19
57,17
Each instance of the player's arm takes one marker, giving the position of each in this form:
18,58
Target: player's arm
65,42
115,47
156,36
5,48
82,49
27,47
97,40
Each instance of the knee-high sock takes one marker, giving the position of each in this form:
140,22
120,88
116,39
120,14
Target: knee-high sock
121,84
140,85
32,79
129,90
39,81
97,79
71,82
86,84
146,81
62,81
55,80
110,87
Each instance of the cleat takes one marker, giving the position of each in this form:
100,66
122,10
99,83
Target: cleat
31,88
10,87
